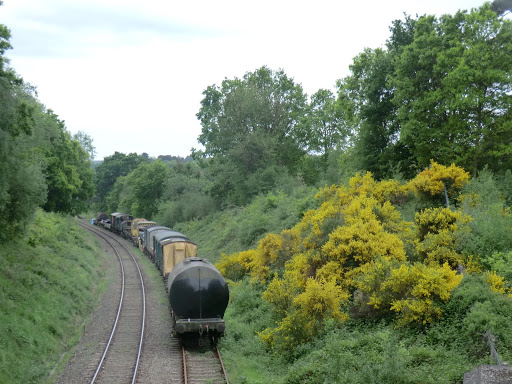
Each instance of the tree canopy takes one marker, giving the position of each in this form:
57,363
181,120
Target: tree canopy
251,132
441,90
110,170
140,191
453,90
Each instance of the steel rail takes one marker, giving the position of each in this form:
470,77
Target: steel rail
185,374
106,238
118,309
224,373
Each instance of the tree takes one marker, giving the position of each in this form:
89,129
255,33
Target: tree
250,126
23,186
67,167
5,35
86,143
40,164
184,197
22,183
147,183
440,91
365,102
328,130
140,192
110,170
452,90
366,99
501,7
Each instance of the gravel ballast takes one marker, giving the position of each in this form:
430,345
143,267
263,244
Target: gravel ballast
160,357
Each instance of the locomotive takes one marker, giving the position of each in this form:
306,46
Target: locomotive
198,293
117,219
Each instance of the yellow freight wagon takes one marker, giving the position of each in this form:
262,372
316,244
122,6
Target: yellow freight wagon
171,248
174,251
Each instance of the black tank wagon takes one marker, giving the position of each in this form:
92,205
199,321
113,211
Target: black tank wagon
199,296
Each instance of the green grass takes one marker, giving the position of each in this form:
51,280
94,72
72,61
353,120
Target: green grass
369,351
239,229
245,356
51,279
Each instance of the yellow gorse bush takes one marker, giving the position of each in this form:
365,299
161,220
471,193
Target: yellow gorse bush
357,239
436,242
433,180
320,298
360,243
308,309
496,282
413,291
419,287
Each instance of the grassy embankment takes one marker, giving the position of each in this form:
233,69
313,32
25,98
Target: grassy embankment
38,328
371,350
51,279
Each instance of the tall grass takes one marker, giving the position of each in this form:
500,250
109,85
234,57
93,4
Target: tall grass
51,279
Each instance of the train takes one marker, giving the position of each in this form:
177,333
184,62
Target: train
198,294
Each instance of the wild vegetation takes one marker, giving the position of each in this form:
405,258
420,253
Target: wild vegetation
365,232
52,278
325,301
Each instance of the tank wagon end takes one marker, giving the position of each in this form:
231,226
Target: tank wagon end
199,296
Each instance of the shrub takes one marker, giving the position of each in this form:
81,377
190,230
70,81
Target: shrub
375,353
491,227
414,292
475,309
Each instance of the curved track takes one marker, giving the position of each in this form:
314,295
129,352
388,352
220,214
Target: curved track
120,360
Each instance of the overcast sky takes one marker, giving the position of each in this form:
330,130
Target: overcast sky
131,74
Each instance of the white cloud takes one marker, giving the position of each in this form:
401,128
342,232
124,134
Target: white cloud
131,74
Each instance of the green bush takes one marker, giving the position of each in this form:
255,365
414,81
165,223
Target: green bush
501,263
190,206
473,310
376,353
243,351
491,228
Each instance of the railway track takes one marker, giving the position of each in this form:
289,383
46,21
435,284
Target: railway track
120,359
202,362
